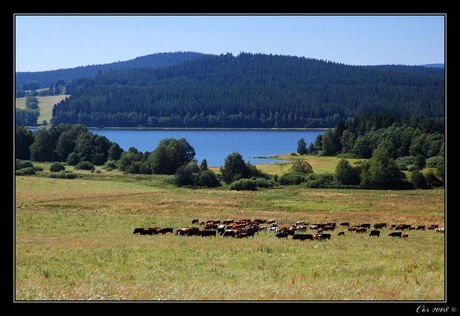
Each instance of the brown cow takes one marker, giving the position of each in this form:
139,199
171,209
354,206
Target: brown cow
341,234
432,227
329,227
421,227
380,225
405,236
403,227
360,230
345,224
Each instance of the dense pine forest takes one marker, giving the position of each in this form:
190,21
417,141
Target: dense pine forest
250,91
43,79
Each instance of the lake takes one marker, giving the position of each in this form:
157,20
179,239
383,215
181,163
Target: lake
216,145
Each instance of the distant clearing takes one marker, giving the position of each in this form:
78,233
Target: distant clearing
45,103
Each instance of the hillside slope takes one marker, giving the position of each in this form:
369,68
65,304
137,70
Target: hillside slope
45,78
251,90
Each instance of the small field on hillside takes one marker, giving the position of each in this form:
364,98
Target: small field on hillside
45,104
74,241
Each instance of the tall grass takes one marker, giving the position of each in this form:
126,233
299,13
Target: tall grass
74,241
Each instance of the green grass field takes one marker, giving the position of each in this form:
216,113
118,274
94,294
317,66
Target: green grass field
45,104
74,241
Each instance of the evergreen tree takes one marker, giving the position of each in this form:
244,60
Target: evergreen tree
382,171
302,147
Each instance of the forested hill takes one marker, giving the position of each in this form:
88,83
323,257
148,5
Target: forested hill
46,78
250,90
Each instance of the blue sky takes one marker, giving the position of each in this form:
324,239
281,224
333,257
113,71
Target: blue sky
54,42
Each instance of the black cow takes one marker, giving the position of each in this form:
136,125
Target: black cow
282,235
229,233
138,231
395,234
365,225
375,233
206,233
195,221
322,236
302,236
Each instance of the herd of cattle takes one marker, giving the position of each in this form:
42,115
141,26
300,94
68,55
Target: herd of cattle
246,227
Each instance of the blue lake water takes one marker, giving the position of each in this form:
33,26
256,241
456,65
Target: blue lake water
216,145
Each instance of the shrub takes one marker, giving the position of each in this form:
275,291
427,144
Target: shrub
110,165
346,155
73,159
290,178
24,164
434,161
347,174
84,165
63,174
264,183
206,178
318,180
243,184
170,179
301,166
412,167
432,180
25,171
405,161
56,167
418,180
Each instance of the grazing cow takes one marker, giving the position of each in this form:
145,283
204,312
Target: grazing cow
228,221
242,235
432,227
301,228
270,221
395,234
440,230
329,227
405,236
138,231
202,223
345,224
360,230
281,235
393,226
229,233
365,225
375,233
195,221
206,233
164,230
402,227
210,226
322,236
341,234
380,225
421,227
302,236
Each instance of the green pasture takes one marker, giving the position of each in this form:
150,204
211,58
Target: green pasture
74,241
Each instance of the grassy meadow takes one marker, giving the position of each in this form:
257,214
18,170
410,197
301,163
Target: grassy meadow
74,241
45,103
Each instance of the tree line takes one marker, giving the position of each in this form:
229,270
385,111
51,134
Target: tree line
250,90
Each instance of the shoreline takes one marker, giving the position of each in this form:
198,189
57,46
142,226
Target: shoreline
201,128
